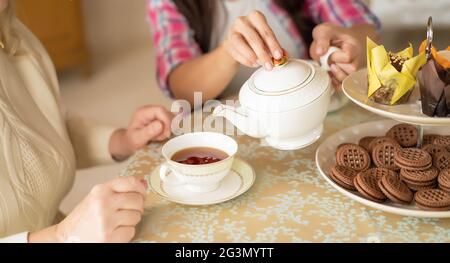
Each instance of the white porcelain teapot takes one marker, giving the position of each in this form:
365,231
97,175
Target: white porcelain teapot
285,106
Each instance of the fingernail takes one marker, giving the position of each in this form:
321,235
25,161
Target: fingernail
268,66
144,182
278,54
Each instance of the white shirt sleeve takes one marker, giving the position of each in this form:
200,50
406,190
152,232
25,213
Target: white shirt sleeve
17,238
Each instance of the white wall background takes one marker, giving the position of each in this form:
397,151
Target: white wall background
412,13
405,21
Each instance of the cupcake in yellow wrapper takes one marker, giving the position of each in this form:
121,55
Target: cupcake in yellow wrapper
391,76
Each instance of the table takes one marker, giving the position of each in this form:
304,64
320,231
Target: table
289,202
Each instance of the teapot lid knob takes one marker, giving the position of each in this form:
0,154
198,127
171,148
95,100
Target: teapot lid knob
282,61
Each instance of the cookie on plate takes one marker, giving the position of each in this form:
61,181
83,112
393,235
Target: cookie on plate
365,142
413,159
380,172
415,188
442,161
434,149
353,156
343,176
395,189
367,185
442,140
444,180
429,138
433,199
405,134
380,140
420,180
340,146
383,155
424,177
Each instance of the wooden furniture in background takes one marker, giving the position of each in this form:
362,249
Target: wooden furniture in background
58,25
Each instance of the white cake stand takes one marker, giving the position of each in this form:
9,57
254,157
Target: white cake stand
355,88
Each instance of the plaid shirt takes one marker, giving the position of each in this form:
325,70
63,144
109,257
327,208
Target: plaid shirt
174,41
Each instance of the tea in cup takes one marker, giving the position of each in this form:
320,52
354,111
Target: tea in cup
199,160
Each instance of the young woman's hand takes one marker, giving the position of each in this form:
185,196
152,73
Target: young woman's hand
343,62
109,213
252,42
149,123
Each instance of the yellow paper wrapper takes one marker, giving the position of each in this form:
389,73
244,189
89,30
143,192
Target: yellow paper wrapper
381,73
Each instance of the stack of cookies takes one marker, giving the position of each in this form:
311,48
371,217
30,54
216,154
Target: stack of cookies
392,168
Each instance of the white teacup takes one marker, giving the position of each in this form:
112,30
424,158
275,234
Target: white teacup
199,178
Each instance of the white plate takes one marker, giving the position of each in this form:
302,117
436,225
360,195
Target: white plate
325,160
355,88
237,182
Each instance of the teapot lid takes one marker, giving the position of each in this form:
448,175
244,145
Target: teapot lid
286,87
293,75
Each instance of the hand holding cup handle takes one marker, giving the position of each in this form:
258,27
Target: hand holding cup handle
324,59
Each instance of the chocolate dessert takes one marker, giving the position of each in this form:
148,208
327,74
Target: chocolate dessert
396,61
434,82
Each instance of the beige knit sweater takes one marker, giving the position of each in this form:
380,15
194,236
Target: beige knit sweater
39,147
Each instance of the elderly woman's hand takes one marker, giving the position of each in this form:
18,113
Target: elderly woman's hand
149,123
109,213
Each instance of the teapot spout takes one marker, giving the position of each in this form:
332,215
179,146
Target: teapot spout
240,118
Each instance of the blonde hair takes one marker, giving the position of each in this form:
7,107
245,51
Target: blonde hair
7,35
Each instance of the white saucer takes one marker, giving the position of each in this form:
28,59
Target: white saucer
355,88
325,160
237,182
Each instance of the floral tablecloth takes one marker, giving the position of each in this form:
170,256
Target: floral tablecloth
289,202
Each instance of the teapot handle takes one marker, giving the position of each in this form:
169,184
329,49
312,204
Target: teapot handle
324,59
